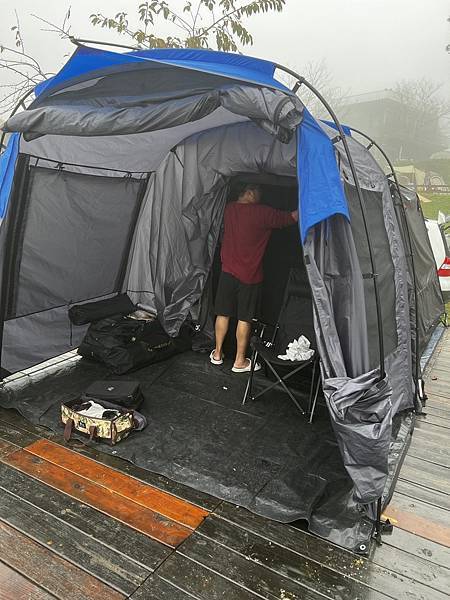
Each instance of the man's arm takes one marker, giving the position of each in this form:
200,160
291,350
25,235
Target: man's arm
277,219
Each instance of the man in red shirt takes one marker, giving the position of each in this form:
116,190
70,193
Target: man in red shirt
247,229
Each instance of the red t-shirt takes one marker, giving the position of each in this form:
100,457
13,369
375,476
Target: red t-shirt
247,232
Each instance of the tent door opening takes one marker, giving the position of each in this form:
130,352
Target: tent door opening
283,253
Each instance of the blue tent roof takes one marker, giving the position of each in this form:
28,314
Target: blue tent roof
321,193
86,62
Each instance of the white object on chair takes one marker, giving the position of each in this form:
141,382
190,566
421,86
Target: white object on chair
298,350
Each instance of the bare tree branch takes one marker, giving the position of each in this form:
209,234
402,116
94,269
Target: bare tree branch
64,34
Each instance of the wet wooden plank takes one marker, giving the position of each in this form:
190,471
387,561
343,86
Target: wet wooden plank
439,374
377,575
431,435
432,420
291,569
418,547
159,481
155,588
6,448
417,517
430,450
419,492
143,519
145,495
13,417
14,586
440,413
414,567
81,550
427,474
15,435
437,391
48,570
436,398
262,578
110,532
207,584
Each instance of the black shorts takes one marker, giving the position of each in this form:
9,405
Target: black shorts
237,299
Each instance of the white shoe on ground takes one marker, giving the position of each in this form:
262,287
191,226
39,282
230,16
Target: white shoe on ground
247,368
214,361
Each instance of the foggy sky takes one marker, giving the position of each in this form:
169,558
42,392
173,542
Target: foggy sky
367,44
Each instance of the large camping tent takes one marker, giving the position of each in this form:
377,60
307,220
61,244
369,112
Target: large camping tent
115,179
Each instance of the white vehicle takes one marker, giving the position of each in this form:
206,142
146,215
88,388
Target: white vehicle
441,255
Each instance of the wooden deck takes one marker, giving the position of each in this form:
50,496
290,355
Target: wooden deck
85,525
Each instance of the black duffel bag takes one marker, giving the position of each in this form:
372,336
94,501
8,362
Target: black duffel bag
124,344
80,314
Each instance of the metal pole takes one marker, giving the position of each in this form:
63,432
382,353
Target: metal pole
81,42
373,143
302,81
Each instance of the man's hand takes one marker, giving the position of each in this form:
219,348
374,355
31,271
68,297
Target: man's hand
294,215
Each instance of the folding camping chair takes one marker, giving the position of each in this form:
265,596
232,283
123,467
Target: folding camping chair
295,319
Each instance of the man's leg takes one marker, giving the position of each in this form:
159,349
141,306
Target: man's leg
221,329
248,302
243,332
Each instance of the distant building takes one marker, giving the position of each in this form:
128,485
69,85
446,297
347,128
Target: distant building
403,133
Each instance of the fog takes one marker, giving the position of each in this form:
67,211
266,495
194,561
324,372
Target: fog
367,44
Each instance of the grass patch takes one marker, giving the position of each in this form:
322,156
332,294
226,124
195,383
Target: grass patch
439,202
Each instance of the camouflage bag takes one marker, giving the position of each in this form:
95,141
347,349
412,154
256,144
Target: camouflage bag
98,429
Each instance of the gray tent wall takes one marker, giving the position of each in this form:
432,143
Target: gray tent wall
392,272
425,296
355,399
176,234
430,304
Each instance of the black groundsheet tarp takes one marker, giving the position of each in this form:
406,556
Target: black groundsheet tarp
264,456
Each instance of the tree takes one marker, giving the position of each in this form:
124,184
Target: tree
425,110
319,75
24,70
421,97
199,23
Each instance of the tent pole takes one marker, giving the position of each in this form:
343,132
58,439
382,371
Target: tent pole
81,42
302,81
417,401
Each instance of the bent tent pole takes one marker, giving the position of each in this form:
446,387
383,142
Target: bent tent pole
372,143
379,525
302,81
80,42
